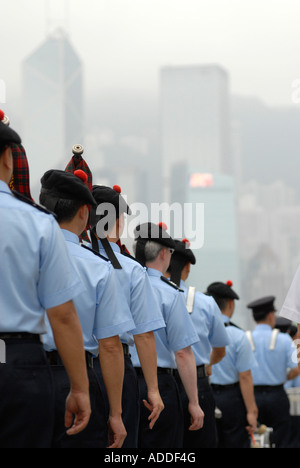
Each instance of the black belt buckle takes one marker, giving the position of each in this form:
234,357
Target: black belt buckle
89,360
201,372
126,349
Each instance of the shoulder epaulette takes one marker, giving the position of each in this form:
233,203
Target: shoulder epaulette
231,324
170,283
30,202
95,253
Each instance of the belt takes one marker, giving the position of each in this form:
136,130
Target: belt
54,359
160,370
126,349
268,388
201,372
20,336
224,387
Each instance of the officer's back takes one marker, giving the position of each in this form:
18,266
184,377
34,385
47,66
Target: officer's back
36,275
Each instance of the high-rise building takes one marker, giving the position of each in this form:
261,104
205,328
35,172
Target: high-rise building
195,121
199,171
209,222
53,104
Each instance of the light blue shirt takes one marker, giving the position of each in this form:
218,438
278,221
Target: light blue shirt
272,364
101,311
207,320
239,357
179,332
36,272
138,293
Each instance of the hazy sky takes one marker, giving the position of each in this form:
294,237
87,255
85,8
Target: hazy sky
124,43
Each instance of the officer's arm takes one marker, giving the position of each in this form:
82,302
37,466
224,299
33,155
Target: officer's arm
186,366
146,349
216,356
111,357
247,390
293,373
68,337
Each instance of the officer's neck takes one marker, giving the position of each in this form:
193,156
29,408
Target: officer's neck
114,240
228,310
157,265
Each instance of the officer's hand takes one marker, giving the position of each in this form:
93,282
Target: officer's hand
78,408
155,406
116,432
252,421
197,417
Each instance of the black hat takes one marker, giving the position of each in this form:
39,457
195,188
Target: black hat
110,206
8,135
283,324
59,185
151,232
107,195
261,307
222,290
182,255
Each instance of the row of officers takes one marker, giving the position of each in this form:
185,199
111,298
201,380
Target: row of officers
101,349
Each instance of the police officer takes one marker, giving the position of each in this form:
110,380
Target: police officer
36,276
108,224
231,378
154,248
274,353
209,350
102,315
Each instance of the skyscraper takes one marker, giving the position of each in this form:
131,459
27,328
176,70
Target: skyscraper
195,118
53,104
199,169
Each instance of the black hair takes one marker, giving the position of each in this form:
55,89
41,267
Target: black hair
65,210
3,147
221,302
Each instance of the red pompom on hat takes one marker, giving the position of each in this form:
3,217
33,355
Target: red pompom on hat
117,188
2,115
81,175
187,243
229,283
163,226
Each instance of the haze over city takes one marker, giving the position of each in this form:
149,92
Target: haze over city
123,45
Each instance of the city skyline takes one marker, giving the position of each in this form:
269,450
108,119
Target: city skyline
123,123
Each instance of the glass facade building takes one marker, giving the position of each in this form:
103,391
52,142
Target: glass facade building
53,104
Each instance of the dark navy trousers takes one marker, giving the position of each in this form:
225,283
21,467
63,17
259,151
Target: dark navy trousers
207,436
168,429
274,411
231,427
26,396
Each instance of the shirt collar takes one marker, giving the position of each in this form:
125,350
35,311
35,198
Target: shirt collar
4,187
153,272
263,326
70,236
225,318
